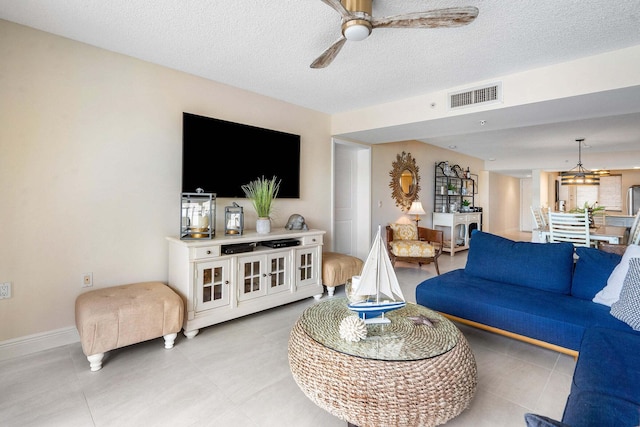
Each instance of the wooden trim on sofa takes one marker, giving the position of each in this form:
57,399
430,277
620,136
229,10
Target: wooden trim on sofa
519,337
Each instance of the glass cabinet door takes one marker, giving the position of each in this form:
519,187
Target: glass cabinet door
279,274
212,284
307,266
251,277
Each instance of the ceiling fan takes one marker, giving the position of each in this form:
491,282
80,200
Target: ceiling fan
357,23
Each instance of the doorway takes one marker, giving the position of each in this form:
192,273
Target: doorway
351,198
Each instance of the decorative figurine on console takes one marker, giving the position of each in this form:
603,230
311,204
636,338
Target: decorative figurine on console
296,222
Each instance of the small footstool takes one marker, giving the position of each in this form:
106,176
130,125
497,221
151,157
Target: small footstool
115,317
338,268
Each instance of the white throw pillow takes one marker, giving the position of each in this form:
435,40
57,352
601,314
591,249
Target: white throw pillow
611,293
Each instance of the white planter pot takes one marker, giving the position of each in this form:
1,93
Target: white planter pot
263,225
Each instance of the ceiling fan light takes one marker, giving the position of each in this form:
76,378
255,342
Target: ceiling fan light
356,30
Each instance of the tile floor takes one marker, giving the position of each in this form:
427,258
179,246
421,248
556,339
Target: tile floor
237,374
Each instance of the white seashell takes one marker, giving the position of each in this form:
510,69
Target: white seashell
353,328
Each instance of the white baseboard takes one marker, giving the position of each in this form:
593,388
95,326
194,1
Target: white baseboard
38,342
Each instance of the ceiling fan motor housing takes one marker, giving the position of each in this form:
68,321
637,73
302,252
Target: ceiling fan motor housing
358,6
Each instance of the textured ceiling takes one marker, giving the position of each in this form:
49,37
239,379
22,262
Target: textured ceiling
267,46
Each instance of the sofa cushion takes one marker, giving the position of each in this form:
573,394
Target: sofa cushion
606,380
593,268
404,231
627,308
546,266
534,420
412,248
591,409
548,316
610,293
609,363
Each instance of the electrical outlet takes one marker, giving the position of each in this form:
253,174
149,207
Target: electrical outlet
87,280
5,290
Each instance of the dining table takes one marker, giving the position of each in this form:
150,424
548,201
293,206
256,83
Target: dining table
613,234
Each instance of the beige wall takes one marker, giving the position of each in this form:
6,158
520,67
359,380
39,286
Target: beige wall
383,156
90,164
503,199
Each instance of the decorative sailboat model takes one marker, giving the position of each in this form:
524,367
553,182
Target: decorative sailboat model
379,286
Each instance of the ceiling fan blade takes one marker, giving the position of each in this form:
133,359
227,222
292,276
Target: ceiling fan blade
439,18
338,7
328,55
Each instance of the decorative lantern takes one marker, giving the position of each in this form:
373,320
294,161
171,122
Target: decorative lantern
233,220
198,215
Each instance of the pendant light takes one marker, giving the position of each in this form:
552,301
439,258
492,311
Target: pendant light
579,175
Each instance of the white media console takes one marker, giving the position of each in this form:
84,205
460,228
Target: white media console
219,282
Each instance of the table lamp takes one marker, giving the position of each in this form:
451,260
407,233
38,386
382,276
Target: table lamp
417,210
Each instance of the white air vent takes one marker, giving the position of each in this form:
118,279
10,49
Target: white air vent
475,96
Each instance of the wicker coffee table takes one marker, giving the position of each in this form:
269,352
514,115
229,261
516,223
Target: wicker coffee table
402,374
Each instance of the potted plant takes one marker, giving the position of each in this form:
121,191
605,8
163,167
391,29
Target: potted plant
465,205
262,193
452,189
591,209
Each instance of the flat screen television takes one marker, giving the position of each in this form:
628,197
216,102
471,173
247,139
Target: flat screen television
220,156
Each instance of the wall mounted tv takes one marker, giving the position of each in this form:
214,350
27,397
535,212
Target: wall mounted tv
220,156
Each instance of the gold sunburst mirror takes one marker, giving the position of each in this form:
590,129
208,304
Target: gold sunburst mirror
405,181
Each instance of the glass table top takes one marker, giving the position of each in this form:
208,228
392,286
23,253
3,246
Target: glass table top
402,339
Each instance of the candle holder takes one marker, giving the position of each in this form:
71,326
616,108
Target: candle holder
233,220
198,215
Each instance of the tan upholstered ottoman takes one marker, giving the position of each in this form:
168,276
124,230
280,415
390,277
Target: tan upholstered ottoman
338,268
115,317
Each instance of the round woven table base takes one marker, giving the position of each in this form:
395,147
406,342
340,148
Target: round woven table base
377,393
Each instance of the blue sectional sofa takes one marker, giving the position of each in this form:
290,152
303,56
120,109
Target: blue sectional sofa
540,294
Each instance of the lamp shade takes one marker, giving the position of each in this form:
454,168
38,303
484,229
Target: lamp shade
416,209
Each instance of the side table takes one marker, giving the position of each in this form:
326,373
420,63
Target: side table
402,374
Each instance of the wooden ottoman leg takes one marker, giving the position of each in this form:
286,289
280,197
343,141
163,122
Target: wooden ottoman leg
95,361
169,339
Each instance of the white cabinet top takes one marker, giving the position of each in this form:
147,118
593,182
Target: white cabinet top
248,236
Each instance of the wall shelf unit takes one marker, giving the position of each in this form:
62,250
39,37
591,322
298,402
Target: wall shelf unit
453,186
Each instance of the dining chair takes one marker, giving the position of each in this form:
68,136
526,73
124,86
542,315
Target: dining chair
538,218
544,215
569,227
538,235
634,234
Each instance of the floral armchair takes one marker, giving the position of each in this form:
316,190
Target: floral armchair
409,243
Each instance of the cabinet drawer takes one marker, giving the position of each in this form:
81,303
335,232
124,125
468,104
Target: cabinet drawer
311,240
474,218
460,218
206,252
